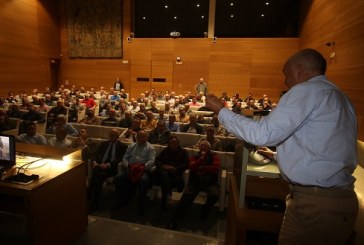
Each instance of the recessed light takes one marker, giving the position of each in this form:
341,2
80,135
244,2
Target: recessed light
202,17
231,16
165,6
197,5
267,3
262,15
231,4
175,17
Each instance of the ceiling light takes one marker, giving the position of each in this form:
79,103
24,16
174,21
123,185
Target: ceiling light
262,15
165,6
267,3
197,5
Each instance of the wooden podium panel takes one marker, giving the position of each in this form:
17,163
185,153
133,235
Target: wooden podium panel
54,206
240,220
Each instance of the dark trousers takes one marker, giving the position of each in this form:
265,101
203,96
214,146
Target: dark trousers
97,180
125,188
195,186
168,181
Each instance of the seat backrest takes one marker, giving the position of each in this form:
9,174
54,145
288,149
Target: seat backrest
187,139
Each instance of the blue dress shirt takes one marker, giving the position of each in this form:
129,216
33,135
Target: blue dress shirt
314,129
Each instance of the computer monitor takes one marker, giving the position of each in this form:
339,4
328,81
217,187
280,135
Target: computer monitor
7,151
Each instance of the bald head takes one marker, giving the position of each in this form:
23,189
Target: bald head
303,66
311,59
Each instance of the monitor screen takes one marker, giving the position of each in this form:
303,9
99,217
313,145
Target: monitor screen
7,151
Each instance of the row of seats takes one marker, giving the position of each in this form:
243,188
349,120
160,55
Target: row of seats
186,139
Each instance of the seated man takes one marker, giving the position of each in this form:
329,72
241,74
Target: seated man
55,111
62,122
60,140
172,125
204,170
126,122
87,145
137,162
210,137
160,134
218,127
170,166
90,118
150,123
111,121
109,154
131,133
192,126
31,136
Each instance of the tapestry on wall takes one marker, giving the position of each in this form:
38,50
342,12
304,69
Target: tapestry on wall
94,28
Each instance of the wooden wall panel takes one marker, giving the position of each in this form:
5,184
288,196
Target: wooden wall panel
340,22
187,75
233,65
162,69
230,78
140,68
192,49
25,51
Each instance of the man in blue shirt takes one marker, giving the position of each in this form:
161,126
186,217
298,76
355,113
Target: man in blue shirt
314,129
137,163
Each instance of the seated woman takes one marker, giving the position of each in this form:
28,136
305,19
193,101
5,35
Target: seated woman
170,166
204,170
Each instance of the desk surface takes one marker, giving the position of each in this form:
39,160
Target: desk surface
48,167
43,150
269,170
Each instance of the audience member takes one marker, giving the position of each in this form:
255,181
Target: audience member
60,140
14,111
137,162
118,85
90,118
249,98
219,129
126,122
183,117
131,133
31,136
5,122
204,168
150,123
89,102
111,121
172,125
160,134
210,137
170,164
62,122
109,154
87,145
192,126
201,87
55,111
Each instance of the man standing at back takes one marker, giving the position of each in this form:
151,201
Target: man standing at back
314,129
201,87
